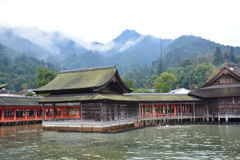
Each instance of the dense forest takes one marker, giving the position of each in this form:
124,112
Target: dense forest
191,71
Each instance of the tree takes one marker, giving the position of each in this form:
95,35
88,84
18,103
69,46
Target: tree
232,57
226,56
30,94
129,83
184,63
142,90
164,83
44,76
201,74
218,57
24,86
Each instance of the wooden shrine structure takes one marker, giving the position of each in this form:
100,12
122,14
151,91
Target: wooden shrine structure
96,99
221,95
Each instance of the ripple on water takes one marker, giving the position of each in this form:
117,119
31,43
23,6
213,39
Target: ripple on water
180,142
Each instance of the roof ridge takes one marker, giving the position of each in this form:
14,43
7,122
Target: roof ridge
153,94
88,69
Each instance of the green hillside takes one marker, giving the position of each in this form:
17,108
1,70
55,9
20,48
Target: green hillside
184,46
17,69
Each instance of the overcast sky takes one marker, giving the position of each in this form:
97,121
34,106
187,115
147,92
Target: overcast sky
103,20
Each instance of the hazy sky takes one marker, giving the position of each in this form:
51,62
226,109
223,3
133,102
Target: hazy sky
103,20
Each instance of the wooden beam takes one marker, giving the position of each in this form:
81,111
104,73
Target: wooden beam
54,111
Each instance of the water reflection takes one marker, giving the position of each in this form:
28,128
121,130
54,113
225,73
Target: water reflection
169,142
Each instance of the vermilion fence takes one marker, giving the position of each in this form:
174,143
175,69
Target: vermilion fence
34,113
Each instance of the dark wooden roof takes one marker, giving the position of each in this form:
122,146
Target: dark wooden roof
216,92
213,88
86,80
86,97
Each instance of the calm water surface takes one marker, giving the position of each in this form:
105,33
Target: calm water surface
164,142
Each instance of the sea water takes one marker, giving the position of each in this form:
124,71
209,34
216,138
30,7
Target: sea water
162,142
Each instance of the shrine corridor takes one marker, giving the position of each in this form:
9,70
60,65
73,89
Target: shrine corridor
16,114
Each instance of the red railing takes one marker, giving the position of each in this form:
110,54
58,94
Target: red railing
169,115
8,118
64,111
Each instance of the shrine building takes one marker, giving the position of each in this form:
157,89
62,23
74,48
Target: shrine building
96,99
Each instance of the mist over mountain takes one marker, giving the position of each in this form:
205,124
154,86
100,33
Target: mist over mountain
130,50
17,43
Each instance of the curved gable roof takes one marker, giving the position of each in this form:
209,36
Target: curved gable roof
209,90
93,78
225,70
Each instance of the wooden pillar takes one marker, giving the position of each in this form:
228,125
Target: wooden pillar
25,113
194,111
175,110
102,112
140,111
219,112
153,111
36,110
218,116
167,110
14,114
207,116
54,111
77,112
226,114
61,110
43,111
81,113
2,114
178,112
181,111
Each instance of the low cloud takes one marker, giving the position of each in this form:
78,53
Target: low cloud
38,37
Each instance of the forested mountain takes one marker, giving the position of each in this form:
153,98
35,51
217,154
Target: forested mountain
191,59
17,69
184,46
130,49
20,44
